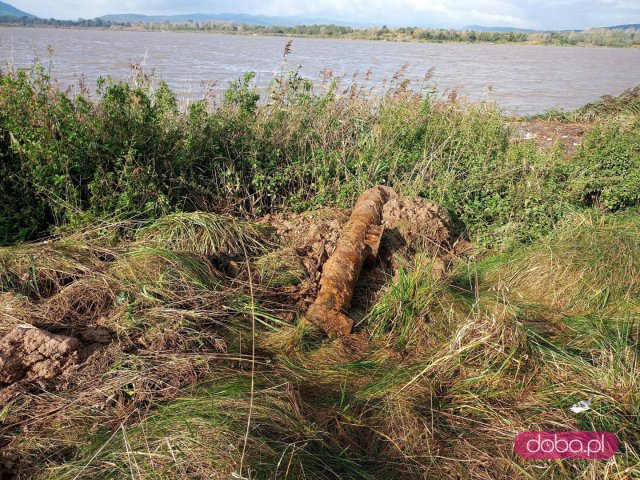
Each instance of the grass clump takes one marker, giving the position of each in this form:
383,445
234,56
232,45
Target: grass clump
280,268
155,273
590,263
403,310
204,233
202,432
40,271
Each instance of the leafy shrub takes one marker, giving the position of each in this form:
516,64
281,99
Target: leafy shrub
608,165
132,153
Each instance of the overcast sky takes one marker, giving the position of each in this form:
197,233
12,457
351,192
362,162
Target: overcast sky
543,14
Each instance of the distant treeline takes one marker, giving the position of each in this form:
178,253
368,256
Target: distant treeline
603,37
82,22
598,37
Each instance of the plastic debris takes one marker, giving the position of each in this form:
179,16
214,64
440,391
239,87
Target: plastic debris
581,406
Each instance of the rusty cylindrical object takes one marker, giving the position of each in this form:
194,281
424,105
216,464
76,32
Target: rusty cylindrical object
360,241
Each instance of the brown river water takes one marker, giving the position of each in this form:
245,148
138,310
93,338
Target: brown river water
524,79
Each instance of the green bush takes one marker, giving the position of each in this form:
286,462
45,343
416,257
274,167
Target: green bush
132,153
23,214
608,164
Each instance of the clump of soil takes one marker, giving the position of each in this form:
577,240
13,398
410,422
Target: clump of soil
311,235
28,353
417,223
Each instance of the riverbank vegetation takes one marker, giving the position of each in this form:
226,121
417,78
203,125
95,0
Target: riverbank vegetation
71,161
53,22
600,37
149,232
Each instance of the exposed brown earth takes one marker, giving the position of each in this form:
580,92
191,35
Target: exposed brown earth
32,354
547,132
418,222
311,235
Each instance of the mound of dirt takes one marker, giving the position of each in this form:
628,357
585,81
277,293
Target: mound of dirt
418,222
311,235
28,353
412,222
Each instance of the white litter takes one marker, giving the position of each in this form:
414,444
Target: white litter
581,406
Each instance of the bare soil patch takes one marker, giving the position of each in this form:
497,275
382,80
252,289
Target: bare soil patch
547,132
31,354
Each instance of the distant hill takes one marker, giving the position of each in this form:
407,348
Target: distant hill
624,27
480,28
226,17
7,10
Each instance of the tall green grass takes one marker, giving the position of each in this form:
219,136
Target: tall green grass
131,153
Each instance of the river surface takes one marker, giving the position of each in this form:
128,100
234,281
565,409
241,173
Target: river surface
522,78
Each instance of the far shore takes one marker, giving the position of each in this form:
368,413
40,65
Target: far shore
356,36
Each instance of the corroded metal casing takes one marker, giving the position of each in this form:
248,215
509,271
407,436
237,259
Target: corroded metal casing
359,242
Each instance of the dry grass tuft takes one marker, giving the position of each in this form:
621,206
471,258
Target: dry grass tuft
42,270
589,263
204,233
81,303
155,274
